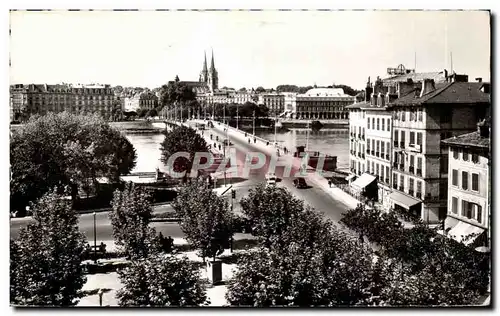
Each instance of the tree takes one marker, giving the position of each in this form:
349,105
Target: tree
142,113
260,89
176,92
46,258
182,139
65,150
206,219
152,113
130,217
270,211
242,89
287,88
161,281
314,268
347,89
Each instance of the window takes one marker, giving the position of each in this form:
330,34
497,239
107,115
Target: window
377,153
382,149
420,115
475,182
454,205
367,145
378,169
368,123
412,116
387,173
363,134
455,153
394,181
419,139
401,182
382,173
378,124
412,184
412,163
419,166
373,123
465,155
412,138
388,151
402,138
403,116
373,145
396,134
373,167
475,158
419,189
383,124
465,178
454,177
479,213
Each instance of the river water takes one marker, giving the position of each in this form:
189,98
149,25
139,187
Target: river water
334,142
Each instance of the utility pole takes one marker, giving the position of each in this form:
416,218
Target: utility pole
307,136
253,125
95,241
237,114
275,123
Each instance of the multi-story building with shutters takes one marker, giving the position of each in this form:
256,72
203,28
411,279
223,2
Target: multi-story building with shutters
469,185
31,99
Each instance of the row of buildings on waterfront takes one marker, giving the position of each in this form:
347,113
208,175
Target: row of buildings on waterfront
416,147
317,103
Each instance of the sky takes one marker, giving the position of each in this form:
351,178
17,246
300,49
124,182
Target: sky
260,48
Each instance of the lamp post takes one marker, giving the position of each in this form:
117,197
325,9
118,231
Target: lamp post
237,114
100,293
95,241
275,123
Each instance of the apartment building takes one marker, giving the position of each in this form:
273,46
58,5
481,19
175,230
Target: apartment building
275,102
323,103
421,120
469,185
31,99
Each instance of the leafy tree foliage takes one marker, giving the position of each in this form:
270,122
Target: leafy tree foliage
152,113
260,89
206,219
65,150
437,269
176,92
130,217
182,139
317,266
347,89
271,211
46,258
142,113
161,281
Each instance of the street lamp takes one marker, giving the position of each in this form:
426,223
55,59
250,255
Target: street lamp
253,125
95,241
237,114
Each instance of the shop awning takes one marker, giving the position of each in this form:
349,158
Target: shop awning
349,177
363,181
403,199
463,229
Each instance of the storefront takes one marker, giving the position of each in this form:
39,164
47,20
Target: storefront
366,185
406,203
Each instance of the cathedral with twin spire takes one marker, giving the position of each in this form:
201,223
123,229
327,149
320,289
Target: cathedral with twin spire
210,76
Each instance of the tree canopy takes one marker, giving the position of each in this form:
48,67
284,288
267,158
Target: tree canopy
176,92
206,219
182,139
65,150
130,217
161,281
46,258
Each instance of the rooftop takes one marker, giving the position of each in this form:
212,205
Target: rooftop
447,93
473,139
325,92
437,76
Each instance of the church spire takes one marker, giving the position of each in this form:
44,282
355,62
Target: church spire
212,65
205,62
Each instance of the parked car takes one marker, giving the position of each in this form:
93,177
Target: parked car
300,183
271,179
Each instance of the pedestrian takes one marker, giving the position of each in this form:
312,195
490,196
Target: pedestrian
330,183
249,140
254,140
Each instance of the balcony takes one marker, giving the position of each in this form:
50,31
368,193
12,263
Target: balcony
412,169
410,192
358,136
401,189
402,167
386,180
402,144
363,137
396,144
373,152
419,172
419,195
363,156
395,165
387,157
377,153
395,186
359,154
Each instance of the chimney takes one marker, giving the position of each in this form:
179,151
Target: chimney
445,74
368,93
479,79
373,101
427,87
484,128
380,100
